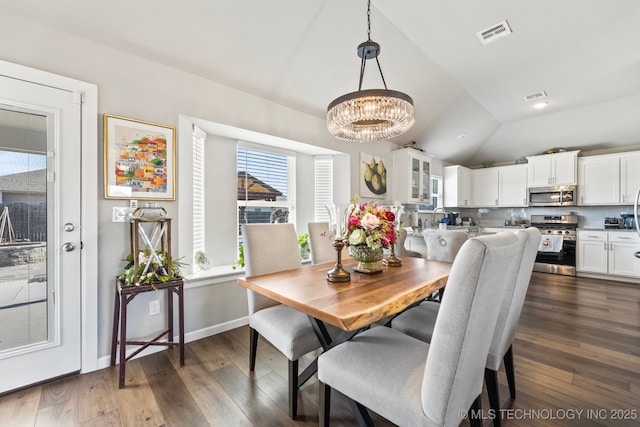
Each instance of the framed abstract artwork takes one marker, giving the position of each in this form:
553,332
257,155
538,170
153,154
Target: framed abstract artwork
139,159
373,177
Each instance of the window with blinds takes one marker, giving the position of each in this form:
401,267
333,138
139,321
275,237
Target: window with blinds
199,137
263,186
323,166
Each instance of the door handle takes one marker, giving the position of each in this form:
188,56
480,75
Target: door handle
68,247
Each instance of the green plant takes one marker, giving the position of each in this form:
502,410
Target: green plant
150,269
240,261
303,242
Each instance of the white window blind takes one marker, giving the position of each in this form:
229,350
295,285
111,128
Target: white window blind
323,166
264,180
262,175
199,137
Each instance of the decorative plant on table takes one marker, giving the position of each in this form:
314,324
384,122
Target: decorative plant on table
371,229
152,268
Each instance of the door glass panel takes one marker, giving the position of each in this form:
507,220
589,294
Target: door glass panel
24,303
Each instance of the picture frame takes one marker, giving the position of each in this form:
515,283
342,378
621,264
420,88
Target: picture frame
139,159
373,176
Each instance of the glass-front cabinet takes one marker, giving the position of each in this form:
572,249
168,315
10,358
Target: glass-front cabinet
411,173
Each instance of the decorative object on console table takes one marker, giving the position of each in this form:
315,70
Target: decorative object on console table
338,226
139,159
150,267
371,229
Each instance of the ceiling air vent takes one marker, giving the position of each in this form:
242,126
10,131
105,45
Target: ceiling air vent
537,95
495,32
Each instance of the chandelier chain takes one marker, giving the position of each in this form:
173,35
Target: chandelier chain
369,20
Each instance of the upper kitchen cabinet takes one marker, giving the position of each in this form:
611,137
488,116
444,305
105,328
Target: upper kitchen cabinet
512,186
599,180
411,173
629,176
485,187
502,186
457,186
553,169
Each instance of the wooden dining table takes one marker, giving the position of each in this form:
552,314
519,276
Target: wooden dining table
350,306
355,304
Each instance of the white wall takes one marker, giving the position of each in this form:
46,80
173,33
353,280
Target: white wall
142,89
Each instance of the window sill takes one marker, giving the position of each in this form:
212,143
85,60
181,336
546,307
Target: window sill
214,275
218,274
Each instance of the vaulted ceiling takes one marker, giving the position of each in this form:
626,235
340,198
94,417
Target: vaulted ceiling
469,97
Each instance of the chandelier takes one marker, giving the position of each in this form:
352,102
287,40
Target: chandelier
373,114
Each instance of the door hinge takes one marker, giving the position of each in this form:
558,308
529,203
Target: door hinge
77,97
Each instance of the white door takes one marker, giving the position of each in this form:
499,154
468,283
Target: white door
40,275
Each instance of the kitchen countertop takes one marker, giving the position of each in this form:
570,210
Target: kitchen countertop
623,230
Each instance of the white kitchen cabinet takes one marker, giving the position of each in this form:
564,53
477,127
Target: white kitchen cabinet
599,180
411,173
622,247
485,187
629,176
608,252
512,186
553,169
592,252
457,186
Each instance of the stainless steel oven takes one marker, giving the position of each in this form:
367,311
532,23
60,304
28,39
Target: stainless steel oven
559,195
562,260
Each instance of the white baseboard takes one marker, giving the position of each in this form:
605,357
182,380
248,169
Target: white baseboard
105,361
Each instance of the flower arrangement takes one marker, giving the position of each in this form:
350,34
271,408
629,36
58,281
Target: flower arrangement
150,269
372,226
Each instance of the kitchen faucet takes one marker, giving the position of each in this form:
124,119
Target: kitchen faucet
433,216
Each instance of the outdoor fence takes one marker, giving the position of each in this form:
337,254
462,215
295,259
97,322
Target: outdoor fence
28,221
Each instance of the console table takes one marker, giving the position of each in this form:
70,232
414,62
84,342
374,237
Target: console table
124,295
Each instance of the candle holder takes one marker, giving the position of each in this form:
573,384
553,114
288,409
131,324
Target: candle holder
338,226
392,260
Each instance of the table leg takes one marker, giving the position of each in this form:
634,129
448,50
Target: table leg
170,314
123,338
181,321
116,323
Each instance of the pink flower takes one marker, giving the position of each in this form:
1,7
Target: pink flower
369,221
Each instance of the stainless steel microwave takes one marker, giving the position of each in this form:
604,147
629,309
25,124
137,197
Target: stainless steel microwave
559,195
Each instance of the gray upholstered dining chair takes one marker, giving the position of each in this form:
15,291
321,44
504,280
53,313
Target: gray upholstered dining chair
443,245
401,250
320,242
269,248
419,322
410,382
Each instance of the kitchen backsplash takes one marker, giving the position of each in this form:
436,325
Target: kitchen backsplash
588,216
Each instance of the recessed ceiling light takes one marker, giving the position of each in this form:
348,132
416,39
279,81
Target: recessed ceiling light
540,105
462,135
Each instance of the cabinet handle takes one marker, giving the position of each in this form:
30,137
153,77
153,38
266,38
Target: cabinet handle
624,238
594,237
496,202
605,246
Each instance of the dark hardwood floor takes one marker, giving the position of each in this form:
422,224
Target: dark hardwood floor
577,349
